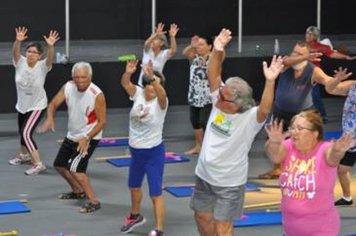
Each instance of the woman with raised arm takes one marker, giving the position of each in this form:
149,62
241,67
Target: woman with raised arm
147,116
30,75
154,50
309,171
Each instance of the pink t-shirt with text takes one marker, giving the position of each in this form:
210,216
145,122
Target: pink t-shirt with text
307,184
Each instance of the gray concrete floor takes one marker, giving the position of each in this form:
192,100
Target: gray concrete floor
50,215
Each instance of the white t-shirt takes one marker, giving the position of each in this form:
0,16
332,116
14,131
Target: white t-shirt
158,61
223,159
146,121
81,110
30,85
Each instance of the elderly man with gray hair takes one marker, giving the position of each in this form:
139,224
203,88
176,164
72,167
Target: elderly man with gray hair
86,120
221,172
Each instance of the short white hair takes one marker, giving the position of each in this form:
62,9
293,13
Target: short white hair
82,65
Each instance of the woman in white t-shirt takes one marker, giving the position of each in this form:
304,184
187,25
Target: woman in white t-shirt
30,74
147,115
154,51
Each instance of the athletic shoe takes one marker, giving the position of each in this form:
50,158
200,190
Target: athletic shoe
130,223
36,169
156,232
20,159
343,202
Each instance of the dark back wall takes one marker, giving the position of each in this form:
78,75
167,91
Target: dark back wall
107,77
131,19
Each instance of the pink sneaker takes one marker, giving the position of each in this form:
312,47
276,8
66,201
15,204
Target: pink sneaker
130,223
20,159
36,169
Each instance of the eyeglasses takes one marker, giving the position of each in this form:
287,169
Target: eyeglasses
298,128
223,98
33,52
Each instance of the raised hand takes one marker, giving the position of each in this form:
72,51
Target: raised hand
341,74
274,131
21,33
159,28
344,143
148,69
272,72
173,30
222,39
194,41
131,66
52,38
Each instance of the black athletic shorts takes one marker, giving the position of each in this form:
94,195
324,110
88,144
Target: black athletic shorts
69,157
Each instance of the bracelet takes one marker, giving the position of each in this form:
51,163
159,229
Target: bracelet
154,78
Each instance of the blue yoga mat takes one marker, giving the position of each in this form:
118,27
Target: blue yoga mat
113,142
187,191
259,219
180,191
332,135
170,158
13,207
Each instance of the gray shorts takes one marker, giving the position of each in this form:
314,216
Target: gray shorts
225,203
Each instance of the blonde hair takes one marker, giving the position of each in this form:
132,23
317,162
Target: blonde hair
314,118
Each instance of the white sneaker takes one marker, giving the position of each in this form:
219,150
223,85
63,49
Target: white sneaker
21,159
36,169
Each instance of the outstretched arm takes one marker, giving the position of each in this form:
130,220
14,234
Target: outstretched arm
21,35
155,82
331,84
190,51
52,38
216,59
159,30
271,74
173,42
126,83
337,151
274,148
342,88
292,60
51,111
339,55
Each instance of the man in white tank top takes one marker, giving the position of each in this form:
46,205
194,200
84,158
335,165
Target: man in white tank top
87,117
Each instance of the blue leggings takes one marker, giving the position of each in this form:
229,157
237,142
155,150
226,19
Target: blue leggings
148,161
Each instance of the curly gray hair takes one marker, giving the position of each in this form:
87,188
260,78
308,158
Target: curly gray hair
243,92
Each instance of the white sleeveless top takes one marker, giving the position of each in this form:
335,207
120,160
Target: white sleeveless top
81,110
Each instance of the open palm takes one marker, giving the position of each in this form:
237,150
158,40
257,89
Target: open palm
272,72
52,38
21,33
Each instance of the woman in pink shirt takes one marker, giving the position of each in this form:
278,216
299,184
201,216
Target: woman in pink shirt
308,174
